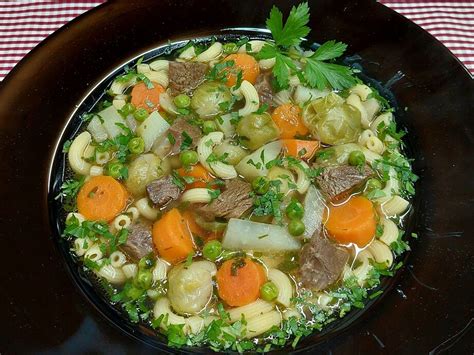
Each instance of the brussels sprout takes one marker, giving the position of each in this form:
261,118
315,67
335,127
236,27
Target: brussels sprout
142,171
209,97
190,287
332,121
257,130
234,152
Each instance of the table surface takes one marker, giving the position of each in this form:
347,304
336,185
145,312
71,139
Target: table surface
25,23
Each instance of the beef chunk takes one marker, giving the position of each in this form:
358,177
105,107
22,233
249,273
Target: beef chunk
231,203
185,77
321,263
263,85
338,181
139,242
163,190
176,130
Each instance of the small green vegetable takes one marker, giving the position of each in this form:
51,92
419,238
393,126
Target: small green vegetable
146,263
115,170
296,227
269,291
356,158
373,184
212,250
188,157
140,115
136,145
295,210
260,185
144,279
134,292
209,126
182,101
230,48
127,109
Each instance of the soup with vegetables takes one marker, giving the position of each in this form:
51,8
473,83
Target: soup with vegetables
239,195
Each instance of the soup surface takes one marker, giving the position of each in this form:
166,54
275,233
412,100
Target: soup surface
239,195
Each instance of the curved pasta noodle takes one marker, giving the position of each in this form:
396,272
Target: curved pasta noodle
204,150
122,221
252,101
117,258
81,245
304,94
384,118
119,86
143,68
390,231
112,274
294,81
195,324
266,64
362,270
197,195
284,285
372,106
365,135
159,77
76,153
381,252
289,313
395,206
225,125
251,310
392,186
361,90
375,145
146,210
93,253
130,270
160,64
134,212
160,270
162,307
255,46
212,53
188,54
302,181
96,170
354,101
97,130
261,324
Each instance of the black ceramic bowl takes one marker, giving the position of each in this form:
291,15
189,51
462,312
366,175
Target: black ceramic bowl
428,307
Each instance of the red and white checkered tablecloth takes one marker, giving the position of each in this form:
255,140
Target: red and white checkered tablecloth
24,23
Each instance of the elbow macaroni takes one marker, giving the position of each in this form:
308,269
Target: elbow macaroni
146,210
284,285
76,153
210,54
197,195
252,101
204,150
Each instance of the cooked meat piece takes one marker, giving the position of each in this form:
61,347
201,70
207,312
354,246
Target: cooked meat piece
338,181
321,263
163,190
263,85
231,203
176,130
139,242
185,77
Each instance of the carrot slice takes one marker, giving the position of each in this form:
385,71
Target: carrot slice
245,63
101,198
299,148
239,281
288,119
195,228
200,175
352,222
172,237
149,99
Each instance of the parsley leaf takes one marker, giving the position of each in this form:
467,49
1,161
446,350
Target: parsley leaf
320,75
295,27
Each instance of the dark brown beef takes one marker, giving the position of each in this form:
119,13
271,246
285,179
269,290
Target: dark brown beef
231,203
139,242
185,77
163,190
176,130
321,263
338,181
263,85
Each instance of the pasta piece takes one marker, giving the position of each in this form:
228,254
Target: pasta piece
146,210
372,106
395,206
102,158
119,86
361,90
80,218
375,145
302,180
294,80
354,101
362,270
118,103
122,221
324,300
188,53
251,310
160,270
194,324
197,195
384,118
97,130
390,231
160,64
364,136
291,313
392,186
284,285
204,150
252,101
261,324
381,252
162,307
134,212
143,68
159,77
304,94
254,46
225,125
96,170
93,253
112,274
76,153
130,270
266,64
81,245
212,53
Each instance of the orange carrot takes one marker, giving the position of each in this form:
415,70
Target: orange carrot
195,228
172,238
352,222
245,63
288,119
239,281
299,148
101,198
199,173
149,99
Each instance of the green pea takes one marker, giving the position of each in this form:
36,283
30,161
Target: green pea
115,170
144,279
209,126
373,184
295,210
212,250
230,48
136,145
127,109
182,101
260,185
134,292
188,157
356,158
296,227
146,262
140,115
269,291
